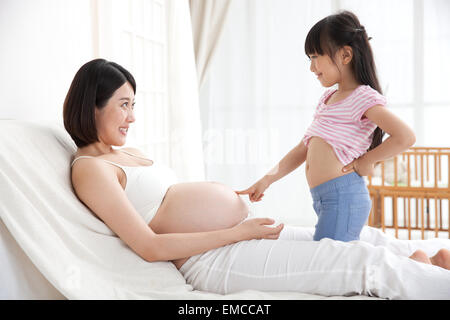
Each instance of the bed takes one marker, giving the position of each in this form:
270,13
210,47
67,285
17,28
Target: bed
53,247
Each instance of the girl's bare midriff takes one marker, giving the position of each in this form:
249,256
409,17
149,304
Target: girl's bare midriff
198,207
322,163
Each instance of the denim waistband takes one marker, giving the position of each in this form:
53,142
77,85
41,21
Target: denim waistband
336,183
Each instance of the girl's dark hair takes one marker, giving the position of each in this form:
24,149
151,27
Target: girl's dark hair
92,87
330,34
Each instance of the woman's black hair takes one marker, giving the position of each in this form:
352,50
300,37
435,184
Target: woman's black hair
92,87
330,34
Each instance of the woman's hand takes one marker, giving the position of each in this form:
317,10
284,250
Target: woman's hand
257,228
255,192
361,166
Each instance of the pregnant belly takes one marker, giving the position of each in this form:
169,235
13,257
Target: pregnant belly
197,207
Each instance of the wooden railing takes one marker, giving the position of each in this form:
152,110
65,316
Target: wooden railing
416,183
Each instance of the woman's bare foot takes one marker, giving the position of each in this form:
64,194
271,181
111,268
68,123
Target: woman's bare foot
421,256
441,259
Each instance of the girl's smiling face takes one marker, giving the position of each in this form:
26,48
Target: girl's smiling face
114,119
326,71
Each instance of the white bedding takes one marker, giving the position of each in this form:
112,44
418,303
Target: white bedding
53,247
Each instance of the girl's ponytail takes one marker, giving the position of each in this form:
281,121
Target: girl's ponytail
364,69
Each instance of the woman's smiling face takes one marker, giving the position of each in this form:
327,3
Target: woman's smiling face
114,119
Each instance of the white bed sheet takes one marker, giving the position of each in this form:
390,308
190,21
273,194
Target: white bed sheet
53,247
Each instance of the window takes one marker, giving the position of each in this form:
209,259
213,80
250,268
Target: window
133,34
412,44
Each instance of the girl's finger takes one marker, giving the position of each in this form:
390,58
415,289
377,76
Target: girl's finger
348,167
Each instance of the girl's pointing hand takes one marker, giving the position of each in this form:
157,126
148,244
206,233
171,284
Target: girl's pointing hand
255,192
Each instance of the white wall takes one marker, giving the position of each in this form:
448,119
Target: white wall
43,44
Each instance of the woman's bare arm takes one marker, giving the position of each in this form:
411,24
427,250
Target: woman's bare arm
97,186
171,246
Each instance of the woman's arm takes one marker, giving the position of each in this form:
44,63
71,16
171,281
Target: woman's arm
97,186
171,246
401,137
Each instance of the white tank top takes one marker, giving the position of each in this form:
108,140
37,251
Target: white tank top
145,186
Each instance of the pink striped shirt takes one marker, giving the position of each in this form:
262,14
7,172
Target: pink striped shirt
340,123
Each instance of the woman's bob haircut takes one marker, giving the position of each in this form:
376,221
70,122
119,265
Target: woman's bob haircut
92,87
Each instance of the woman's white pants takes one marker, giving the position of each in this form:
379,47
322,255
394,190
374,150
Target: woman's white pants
377,265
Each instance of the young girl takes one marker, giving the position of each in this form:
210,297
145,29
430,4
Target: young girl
344,141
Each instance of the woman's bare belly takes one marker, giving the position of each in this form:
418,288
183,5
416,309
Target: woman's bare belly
322,163
198,207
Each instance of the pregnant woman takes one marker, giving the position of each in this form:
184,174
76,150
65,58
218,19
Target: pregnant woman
203,227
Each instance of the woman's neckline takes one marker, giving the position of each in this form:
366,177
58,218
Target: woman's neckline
125,166
342,100
143,166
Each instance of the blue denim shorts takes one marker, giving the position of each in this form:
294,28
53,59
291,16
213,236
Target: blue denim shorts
342,205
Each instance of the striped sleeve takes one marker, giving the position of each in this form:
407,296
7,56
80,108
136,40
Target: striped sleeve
366,100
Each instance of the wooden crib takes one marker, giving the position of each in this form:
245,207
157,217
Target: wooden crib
411,195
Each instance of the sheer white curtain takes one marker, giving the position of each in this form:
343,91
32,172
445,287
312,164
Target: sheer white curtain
186,150
260,96
208,19
153,40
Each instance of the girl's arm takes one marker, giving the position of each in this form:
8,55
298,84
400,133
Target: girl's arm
289,163
97,186
401,137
